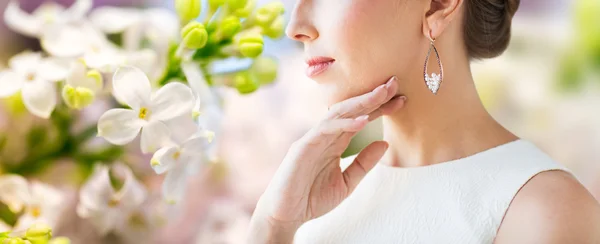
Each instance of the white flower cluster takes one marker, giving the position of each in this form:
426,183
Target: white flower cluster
39,203
77,59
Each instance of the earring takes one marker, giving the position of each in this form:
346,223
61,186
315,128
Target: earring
434,81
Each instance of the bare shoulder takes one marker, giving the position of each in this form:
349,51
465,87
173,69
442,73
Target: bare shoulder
553,207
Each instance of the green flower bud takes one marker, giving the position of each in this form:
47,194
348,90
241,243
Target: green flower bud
244,83
586,21
264,69
4,236
194,35
60,240
38,234
188,10
215,4
236,4
13,240
268,13
276,29
247,10
251,45
229,27
77,98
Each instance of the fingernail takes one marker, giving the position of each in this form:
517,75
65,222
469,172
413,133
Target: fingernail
364,117
390,81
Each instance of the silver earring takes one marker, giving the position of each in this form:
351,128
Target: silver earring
434,81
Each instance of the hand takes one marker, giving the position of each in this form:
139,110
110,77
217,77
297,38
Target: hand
310,182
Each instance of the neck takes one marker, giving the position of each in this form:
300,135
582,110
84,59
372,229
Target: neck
438,128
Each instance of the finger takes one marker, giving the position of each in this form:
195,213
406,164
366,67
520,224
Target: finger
393,105
388,108
334,128
363,163
366,103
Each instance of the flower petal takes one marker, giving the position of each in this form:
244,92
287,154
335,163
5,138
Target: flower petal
76,72
175,184
155,134
105,221
20,21
131,86
196,144
39,97
78,10
10,83
65,40
25,63
50,200
47,196
145,59
54,69
113,20
79,76
172,100
193,162
164,159
119,126
182,128
163,26
105,59
196,79
15,192
95,194
211,116
48,13
133,193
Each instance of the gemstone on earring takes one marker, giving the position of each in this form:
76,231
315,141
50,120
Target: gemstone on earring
433,82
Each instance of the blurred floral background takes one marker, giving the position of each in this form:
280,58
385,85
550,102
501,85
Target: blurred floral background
545,88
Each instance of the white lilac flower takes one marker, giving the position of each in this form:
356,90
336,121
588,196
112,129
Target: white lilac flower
158,26
209,113
148,112
49,13
35,77
104,206
38,203
179,161
77,39
81,85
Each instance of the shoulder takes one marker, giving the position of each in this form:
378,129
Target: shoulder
552,207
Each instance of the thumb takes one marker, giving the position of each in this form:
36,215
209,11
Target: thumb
363,163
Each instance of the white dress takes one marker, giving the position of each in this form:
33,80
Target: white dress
461,201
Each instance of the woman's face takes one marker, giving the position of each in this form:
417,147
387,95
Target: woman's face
370,40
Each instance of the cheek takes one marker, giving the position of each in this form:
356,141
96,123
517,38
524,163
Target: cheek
362,44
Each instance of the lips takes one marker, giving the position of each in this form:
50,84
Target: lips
318,65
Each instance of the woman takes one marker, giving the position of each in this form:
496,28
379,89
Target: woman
447,172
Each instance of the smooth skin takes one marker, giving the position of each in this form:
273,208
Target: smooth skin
370,43
309,182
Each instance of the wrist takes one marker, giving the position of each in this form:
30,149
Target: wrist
266,229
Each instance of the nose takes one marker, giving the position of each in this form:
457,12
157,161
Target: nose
300,27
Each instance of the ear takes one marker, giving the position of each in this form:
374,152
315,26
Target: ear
439,15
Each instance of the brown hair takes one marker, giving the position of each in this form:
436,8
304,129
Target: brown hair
487,26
